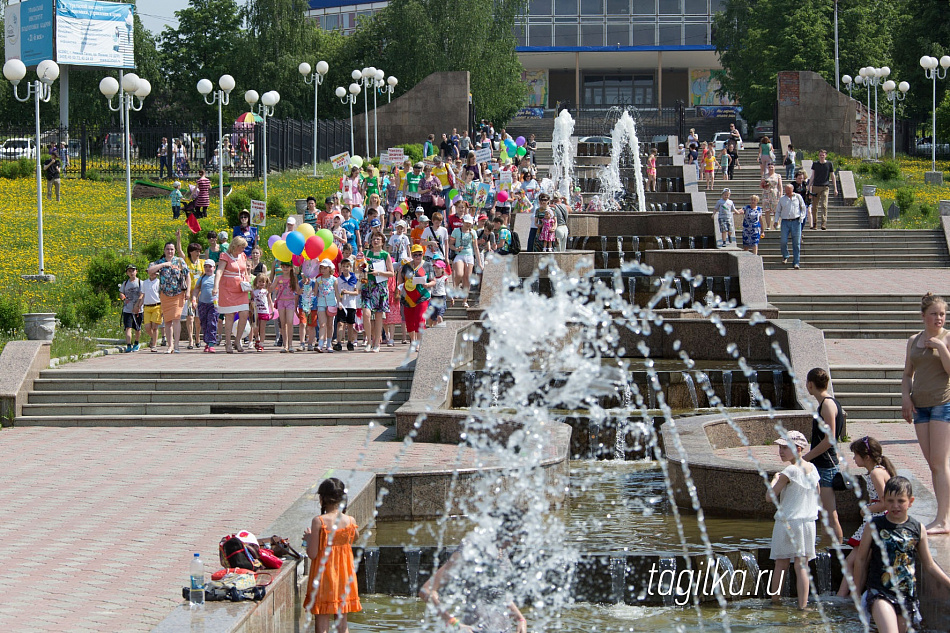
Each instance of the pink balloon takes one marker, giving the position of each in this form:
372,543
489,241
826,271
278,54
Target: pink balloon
271,240
296,260
502,196
284,235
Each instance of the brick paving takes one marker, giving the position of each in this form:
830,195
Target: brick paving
856,351
100,522
897,281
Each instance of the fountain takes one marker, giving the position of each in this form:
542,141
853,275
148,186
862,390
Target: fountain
563,148
624,138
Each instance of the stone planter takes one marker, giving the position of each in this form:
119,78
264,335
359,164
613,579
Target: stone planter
869,190
39,326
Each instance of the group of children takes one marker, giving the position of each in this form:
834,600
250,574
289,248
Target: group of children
886,547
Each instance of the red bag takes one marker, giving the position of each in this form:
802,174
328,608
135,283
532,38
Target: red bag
221,573
269,560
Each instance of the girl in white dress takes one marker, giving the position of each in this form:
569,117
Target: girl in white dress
793,537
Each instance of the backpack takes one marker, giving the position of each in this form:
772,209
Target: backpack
514,246
233,552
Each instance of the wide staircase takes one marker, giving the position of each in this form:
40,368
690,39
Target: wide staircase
868,392
854,316
215,397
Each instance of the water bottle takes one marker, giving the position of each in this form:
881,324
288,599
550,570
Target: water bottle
197,581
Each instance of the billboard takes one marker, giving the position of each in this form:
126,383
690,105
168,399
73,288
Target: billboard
28,31
90,33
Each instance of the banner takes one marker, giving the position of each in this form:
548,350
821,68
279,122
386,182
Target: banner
396,155
340,161
90,33
530,113
537,82
718,112
504,181
483,155
29,31
258,213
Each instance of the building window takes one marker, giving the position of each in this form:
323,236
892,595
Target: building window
592,34
644,7
565,7
592,7
540,7
644,34
618,7
520,31
565,35
696,35
540,35
671,7
696,7
618,34
331,22
715,6
643,91
670,35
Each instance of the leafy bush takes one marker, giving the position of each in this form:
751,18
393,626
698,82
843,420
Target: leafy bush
11,312
153,250
275,207
106,271
904,197
888,170
234,204
10,169
68,318
93,307
93,174
926,209
413,151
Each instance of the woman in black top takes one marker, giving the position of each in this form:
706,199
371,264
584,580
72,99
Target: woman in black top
733,153
823,453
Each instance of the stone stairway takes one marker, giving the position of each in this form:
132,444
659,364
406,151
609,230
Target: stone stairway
868,392
855,248
854,316
300,397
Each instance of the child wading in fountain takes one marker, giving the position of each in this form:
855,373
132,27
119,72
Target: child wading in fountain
868,454
793,537
726,209
262,309
331,588
891,596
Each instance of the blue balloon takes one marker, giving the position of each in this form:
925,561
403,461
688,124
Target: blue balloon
357,212
296,242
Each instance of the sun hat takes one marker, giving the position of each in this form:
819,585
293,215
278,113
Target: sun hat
423,218
291,220
326,262
795,437
440,263
223,236
467,219
401,223
417,248
419,210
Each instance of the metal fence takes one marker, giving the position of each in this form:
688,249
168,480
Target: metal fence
651,122
188,148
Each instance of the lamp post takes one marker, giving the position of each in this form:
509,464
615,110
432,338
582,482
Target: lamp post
266,109
377,81
367,77
350,98
837,86
846,80
929,64
132,86
894,96
315,78
390,87
222,97
46,72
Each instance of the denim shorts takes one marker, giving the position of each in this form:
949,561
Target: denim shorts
825,475
939,413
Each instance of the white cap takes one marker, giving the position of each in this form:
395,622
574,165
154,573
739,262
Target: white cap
467,219
326,262
291,220
401,223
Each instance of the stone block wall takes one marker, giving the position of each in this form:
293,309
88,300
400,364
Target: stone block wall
813,114
433,106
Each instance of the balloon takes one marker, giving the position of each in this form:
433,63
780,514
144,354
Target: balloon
326,236
502,196
271,240
314,246
330,253
521,151
295,242
283,235
281,252
247,329
357,212
519,141
310,268
453,193
297,260
356,161
306,230
510,146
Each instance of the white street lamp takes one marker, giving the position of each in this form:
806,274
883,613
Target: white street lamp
315,78
377,81
367,76
46,71
265,109
390,87
929,64
349,98
846,80
132,86
222,97
894,96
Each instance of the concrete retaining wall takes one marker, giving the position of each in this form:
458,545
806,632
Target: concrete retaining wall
20,364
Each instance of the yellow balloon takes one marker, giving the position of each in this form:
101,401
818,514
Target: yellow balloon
306,230
281,251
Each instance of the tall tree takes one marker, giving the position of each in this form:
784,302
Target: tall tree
924,29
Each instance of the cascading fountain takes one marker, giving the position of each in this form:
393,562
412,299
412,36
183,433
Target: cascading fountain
624,137
564,149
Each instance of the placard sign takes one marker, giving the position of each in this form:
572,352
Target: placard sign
29,31
258,213
396,155
340,161
483,155
90,33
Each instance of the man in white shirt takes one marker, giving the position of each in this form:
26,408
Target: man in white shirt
791,210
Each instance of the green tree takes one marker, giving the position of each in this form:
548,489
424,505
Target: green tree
923,29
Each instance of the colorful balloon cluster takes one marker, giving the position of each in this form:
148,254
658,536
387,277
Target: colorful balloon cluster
303,244
516,147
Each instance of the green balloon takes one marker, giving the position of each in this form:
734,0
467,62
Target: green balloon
453,193
521,151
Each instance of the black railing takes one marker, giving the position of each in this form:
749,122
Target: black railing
84,148
651,122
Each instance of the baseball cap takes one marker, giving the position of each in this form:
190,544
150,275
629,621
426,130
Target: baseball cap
401,223
417,248
467,219
131,267
326,262
795,437
374,223
727,190
291,220
423,218
209,262
223,236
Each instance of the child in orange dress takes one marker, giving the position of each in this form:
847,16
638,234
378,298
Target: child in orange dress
331,589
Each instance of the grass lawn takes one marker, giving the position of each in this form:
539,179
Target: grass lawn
92,217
